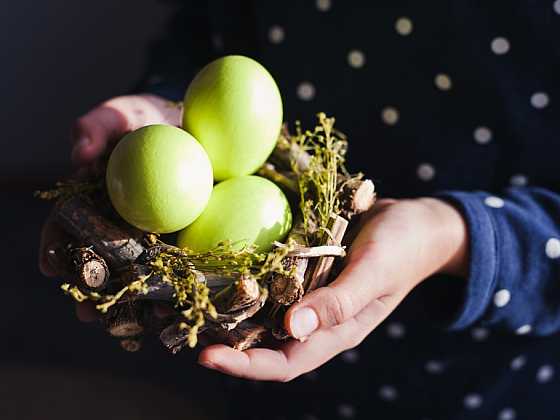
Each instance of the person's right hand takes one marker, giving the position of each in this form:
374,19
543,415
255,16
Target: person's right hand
91,135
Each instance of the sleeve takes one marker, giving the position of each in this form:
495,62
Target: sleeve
514,279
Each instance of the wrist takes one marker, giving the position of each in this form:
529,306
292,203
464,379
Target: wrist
449,238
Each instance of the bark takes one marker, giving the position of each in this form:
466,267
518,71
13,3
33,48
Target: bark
247,335
131,344
357,196
318,276
286,180
124,320
237,296
116,245
91,269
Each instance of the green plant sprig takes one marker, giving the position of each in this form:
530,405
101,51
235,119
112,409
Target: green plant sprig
319,181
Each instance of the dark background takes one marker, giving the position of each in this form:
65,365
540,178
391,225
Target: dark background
58,59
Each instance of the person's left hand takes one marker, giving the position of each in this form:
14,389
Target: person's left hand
400,244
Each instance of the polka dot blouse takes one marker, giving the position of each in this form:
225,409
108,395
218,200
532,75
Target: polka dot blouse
454,99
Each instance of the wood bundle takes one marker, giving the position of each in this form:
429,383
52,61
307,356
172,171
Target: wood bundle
108,254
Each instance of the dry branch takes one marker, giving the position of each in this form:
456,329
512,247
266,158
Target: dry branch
118,246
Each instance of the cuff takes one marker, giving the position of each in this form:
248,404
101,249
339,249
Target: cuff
483,264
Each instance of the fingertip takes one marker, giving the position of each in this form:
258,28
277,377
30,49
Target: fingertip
85,151
220,357
301,322
45,267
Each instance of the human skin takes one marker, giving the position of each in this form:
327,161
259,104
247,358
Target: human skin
399,244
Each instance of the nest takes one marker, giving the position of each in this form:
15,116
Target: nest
229,295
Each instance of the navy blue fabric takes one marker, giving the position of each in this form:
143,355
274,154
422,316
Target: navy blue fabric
464,107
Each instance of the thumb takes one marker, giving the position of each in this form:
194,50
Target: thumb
336,303
112,119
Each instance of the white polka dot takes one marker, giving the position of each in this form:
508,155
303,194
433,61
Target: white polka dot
500,45
524,329
501,298
276,34
396,330
323,5
388,393
482,135
434,367
403,26
426,172
346,411
519,180
552,248
472,401
507,414
390,115
443,81
540,100
495,202
217,42
306,91
356,59
480,334
350,356
545,374
556,6
518,362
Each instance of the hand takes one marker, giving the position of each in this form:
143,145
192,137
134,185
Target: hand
400,244
112,119
91,135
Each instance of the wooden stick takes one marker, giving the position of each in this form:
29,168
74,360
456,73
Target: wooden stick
173,337
318,251
124,320
286,290
118,246
247,335
319,276
283,179
357,196
287,152
231,320
239,295
91,269
131,344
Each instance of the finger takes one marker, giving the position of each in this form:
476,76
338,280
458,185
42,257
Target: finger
86,312
114,118
296,358
51,248
360,282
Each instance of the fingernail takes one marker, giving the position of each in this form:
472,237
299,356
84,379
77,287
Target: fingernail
303,322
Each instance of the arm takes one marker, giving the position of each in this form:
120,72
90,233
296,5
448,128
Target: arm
399,245
514,264
512,276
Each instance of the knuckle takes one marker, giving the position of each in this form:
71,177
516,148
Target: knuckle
338,308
